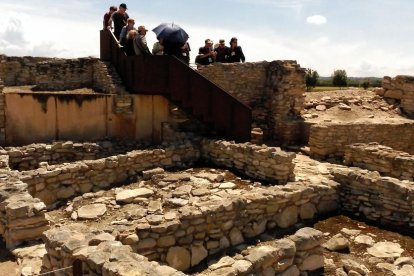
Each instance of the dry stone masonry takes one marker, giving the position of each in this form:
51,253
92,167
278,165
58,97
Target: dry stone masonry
401,89
274,91
384,199
330,139
385,160
259,162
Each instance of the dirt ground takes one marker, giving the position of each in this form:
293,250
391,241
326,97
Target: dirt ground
8,264
365,106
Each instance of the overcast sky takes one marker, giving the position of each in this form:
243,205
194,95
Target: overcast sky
364,37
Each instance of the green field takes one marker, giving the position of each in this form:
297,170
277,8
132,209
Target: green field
326,88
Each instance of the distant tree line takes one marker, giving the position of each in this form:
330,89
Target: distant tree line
339,79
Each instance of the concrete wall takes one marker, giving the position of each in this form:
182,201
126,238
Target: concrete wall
38,117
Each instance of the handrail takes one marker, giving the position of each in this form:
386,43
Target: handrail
187,88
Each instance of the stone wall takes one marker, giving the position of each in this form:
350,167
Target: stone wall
330,140
59,182
29,157
385,200
101,255
52,74
274,91
293,255
2,114
99,252
195,232
258,162
385,160
22,217
400,89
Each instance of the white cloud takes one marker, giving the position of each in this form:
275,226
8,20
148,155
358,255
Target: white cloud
316,19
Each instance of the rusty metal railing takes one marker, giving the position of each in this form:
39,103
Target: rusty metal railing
170,77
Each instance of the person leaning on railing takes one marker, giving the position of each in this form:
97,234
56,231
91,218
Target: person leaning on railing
107,17
119,18
125,30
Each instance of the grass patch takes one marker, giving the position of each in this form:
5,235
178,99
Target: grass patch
327,88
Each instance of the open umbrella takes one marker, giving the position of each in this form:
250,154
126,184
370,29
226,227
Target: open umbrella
171,32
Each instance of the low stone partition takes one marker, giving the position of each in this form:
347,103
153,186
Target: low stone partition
400,88
102,255
330,139
184,237
29,157
293,255
22,217
385,160
59,182
258,162
386,200
99,252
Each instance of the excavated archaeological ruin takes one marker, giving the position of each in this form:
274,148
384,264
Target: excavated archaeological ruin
135,184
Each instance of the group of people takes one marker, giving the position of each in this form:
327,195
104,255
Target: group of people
134,41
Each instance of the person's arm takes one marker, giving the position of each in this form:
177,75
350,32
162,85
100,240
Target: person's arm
110,20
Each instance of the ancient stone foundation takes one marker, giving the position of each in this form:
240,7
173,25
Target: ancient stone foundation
383,199
385,160
401,89
330,140
101,254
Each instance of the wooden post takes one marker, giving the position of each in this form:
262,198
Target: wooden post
105,45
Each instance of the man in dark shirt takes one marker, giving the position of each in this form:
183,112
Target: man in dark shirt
206,55
119,18
107,17
235,53
222,52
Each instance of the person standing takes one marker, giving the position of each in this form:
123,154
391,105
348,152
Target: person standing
140,42
129,43
158,49
235,52
222,51
125,30
185,52
107,17
206,55
119,18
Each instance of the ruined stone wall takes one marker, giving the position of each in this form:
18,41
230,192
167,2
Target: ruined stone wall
59,182
20,70
385,160
330,140
52,74
258,162
2,114
274,91
401,89
293,255
195,232
29,157
22,217
101,255
386,200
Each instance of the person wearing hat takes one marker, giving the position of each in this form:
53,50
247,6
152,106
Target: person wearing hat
235,52
206,55
222,51
140,42
107,17
119,18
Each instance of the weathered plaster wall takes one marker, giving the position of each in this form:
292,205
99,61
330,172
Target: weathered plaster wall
81,117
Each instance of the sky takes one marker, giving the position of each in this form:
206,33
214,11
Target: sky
364,37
